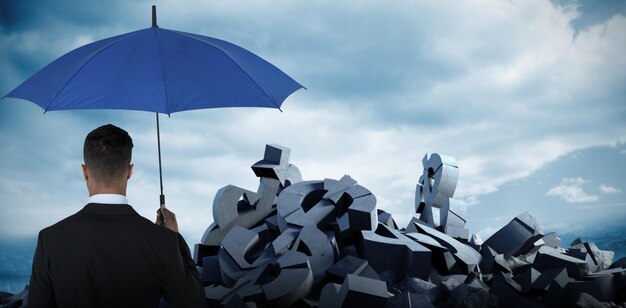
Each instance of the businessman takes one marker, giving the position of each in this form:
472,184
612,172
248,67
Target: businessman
107,255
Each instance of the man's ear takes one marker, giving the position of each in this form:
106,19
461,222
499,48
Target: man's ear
85,173
130,171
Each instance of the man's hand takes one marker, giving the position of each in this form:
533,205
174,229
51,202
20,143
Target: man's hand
169,218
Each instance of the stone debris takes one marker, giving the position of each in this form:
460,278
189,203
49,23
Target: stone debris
295,243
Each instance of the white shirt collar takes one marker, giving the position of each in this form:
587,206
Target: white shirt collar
108,199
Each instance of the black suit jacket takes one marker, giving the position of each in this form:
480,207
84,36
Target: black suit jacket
107,255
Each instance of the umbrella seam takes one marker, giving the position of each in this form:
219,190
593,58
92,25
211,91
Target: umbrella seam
236,64
83,65
167,101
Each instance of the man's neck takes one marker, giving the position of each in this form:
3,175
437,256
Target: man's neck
96,189
107,192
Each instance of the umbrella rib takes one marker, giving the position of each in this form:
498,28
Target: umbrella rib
167,102
236,64
87,61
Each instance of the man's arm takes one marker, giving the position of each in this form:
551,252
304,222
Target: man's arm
182,286
40,292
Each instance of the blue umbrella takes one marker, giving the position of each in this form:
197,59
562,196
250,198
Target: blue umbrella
157,70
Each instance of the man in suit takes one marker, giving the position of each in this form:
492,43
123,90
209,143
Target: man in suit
107,255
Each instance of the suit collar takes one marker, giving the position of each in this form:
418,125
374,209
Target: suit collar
108,199
109,209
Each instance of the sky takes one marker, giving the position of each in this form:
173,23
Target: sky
528,96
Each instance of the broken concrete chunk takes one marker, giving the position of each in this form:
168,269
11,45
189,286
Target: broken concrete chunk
347,265
514,234
357,291
549,258
384,244
621,263
469,257
289,286
419,286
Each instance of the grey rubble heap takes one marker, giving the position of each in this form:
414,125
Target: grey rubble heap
295,243
324,243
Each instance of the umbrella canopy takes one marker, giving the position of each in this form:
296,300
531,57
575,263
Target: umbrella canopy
157,70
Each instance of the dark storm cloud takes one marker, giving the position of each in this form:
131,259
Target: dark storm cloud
593,12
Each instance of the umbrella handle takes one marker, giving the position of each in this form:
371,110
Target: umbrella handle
162,200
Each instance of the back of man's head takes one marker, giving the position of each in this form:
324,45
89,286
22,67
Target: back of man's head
107,152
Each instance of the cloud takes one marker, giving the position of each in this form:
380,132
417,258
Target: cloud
602,206
486,232
558,226
387,84
571,191
606,189
590,12
471,200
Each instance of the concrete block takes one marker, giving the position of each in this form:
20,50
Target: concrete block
362,213
385,218
514,234
549,258
449,283
469,257
459,209
334,187
557,276
200,251
347,265
225,204
587,300
423,287
210,273
475,282
475,241
302,195
435,188
319,251
620,263
408,300
318,215
493,262
329,296
245,248
527,278
290,285
293,259
458,295
284,241
231,208
480,299
357,291
379,246
275,165
552,240
426,241
229,270
460,234
507,290
602,290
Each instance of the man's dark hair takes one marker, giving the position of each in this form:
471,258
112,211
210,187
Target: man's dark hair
107,152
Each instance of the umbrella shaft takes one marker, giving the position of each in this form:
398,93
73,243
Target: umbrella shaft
162,197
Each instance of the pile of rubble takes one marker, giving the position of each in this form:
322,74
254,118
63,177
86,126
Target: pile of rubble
295,243
324,243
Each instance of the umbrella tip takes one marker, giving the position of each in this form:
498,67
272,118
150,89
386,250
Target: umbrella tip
280,110
154,19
